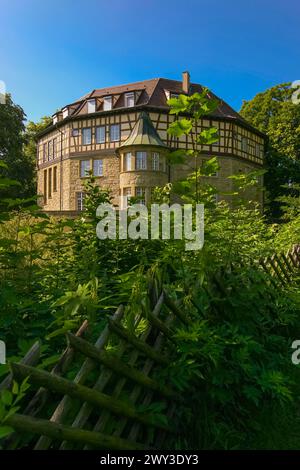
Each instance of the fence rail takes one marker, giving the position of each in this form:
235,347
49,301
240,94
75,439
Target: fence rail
100,393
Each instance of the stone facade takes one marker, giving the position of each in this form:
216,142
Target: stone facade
126,146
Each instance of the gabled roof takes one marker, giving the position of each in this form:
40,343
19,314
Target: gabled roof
143,133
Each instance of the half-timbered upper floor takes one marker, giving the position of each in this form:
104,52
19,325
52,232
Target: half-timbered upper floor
102,120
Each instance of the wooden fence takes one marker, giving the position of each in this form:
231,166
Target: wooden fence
103,395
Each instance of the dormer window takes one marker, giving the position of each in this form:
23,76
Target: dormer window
91,106
129,100
55,119
107,103
170,94
65,113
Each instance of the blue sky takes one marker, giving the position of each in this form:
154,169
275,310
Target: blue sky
51,53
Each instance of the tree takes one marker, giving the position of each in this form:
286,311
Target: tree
12,137
274,113
18,148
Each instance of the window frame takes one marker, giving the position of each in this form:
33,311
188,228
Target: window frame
80,196
54,148
81,167
50,149
65,112
75,132
96,135
129,95
55,179
100,166
258,150
112,126
45,152
49,183
141,167
128,158
107,99
45,185
142,197
244,144
82,135
155,154
91,102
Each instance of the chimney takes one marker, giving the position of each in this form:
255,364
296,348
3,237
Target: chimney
186,82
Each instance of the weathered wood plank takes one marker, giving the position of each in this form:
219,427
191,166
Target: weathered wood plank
65,404
105,415
141,346
38,401
119,367
28,424
95,398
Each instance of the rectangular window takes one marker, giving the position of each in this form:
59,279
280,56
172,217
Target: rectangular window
141,161
55,179
155,161
98,167
45,186
129,100
84,168
115,132
80,201
75,132
140,194
86,136
54,148
107,103
128,161
91,106
127,196
50,150
50,182
100,134
44,152
258,150
244,144
65,113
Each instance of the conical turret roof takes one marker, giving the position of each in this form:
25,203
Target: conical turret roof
143,133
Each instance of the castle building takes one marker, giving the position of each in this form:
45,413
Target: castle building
120,135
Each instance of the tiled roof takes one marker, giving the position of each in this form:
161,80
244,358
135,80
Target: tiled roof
150,93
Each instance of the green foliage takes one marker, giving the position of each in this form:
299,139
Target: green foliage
9,400
231,362
274,113
12,139
233,359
